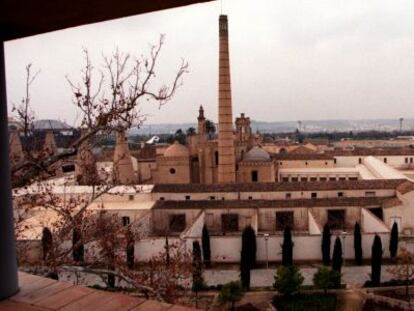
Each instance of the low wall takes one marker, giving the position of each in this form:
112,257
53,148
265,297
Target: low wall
226,249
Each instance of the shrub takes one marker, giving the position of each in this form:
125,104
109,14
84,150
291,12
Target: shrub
231,293
288,280
326,278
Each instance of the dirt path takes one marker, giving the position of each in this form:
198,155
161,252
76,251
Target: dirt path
350,300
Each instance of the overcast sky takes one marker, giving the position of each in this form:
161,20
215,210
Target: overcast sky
290,60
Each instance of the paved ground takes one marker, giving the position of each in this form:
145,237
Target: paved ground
354,276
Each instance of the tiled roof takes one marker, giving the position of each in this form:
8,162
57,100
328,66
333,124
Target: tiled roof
291,203
280,186
405,187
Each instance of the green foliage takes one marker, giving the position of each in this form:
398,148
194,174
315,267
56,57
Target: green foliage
326,278
337,255
358,244
190,131
394,240
248,255
376,261
288,280
287,247
231,293
326,245
314,302
205,242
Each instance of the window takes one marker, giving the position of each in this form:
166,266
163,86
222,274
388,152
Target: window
304,179
162,198
295,179
125,220
212,197
377,211
280,163
326,163
131,197
250,198
285,179
283,220
255,176
216,158
411,160
68,168
342,178
353,178
322,178
172,171
188,197
406,160
313,179
359,160
229,222
288,196
306,163
370,193
314,195
336,218
177,222
340,194
334,161
385,160
332,178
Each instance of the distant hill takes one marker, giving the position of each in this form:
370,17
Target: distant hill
290,126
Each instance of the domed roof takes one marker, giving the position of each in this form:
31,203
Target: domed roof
176,150
256,154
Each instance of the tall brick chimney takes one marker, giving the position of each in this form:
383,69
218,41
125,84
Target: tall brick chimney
226,159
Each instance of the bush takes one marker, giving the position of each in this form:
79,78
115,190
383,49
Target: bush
231,293
314,302
326,278
288,280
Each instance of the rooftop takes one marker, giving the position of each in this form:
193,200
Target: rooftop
280,186
38,293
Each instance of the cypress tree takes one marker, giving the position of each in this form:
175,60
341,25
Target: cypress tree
287,247
358,244
394,240
78,248
326,245
47,241
337,255
248,256
376,261
197,266
130,251
205,241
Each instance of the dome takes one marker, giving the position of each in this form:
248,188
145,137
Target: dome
176,150
256,154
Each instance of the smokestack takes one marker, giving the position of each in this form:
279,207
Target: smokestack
226,159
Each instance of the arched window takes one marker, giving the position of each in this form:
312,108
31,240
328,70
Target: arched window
172,171
216,157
